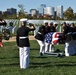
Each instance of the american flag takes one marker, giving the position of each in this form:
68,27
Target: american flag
53,37
48,37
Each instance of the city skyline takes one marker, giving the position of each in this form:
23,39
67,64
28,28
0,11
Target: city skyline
34,4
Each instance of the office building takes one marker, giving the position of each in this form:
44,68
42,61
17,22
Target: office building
33,12
41,9
59,11
49,11
12,11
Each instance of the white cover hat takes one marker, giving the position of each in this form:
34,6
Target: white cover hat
23,19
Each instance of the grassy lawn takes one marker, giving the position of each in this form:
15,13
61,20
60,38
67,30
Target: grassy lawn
9,62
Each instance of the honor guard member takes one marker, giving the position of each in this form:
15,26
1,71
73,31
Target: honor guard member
67,36
72,25
22,40
2,24
55,24
40,36
49,47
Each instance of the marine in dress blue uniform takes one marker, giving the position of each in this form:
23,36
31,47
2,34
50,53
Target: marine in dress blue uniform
22,40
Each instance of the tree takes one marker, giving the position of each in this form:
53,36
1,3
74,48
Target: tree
68,14
75,16
4,15
22,10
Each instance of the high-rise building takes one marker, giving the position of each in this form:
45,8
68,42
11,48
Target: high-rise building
41,9
7,12
33,12
59,11
12,11
0,14
49,11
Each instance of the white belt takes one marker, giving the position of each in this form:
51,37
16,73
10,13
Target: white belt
23,37
39,33
69,33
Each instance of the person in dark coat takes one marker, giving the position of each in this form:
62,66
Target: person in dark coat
49,47
67,36
2,24
40,36
56,26
73,28
22,40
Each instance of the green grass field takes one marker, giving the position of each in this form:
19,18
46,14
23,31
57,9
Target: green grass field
9,62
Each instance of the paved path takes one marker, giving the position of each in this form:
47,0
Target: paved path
14,39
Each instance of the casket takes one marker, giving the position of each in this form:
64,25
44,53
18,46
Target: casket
57,38
54,38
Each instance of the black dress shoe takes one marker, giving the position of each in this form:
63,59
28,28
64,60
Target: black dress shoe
41,54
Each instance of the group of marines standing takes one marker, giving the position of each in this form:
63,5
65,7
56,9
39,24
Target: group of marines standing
44,37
